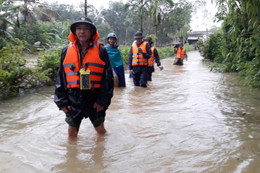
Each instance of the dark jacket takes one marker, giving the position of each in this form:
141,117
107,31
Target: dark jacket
156,57
80,99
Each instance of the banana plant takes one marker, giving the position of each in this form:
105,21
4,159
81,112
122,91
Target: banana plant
155,12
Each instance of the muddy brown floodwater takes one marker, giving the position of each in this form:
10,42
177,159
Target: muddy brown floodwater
188,120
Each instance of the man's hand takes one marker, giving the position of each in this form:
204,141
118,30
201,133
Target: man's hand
140,50
66,109
98,107
161,67
132,71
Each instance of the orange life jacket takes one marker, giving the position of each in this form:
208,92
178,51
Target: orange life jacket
138,58
180,53
72,65
151,59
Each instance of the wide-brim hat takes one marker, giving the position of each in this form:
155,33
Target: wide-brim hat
138,34
148,39
83,19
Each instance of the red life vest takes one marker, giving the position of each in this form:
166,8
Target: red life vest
180,53
72,65
151,59
138,58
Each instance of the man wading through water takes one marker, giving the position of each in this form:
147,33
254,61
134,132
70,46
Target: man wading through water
84,85
139,54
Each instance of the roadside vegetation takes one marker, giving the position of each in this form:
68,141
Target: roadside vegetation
31,27
236,46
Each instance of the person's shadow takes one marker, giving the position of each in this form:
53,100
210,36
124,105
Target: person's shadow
80,158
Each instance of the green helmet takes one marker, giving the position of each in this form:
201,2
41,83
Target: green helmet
148,39
83,19
138,34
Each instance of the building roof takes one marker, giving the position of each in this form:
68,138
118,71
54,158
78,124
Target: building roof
193,38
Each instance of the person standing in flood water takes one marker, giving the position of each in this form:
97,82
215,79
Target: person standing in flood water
84,86
155,57
139,54
180,55
115,59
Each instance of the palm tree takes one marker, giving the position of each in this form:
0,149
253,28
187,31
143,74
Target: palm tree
155,12
141,6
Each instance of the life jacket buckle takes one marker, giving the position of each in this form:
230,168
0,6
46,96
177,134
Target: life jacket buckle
72,67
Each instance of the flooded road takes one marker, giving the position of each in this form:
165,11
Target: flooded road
188,120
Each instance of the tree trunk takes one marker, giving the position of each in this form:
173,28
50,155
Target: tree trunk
126,32
156,32
86,8
141,23
17,21
26,11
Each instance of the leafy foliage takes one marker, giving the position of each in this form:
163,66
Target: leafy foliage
208,48
34,33
49,61
165,52
14,75
237,46
113,15
125,54
11,69
50,26
174,22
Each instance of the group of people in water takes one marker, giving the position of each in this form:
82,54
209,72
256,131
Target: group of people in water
142,57
85,80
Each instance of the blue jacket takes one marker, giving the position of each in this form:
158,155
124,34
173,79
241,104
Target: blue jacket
114,55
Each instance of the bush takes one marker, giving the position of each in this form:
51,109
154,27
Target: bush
165,52
188,47
125,54
234,51
211,48
36,35
12,68
14,74
49,61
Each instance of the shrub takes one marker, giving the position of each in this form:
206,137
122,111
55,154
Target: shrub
12,68
211,48
125,54
14,74
49,61
165,52
36,35
188,47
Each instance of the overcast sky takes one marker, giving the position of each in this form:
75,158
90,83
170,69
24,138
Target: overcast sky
97,3
200,21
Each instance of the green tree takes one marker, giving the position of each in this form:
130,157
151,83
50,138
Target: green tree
8,11
240,45
114,15
156,10
141,7
173,21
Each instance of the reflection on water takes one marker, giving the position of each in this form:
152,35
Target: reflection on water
187,120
